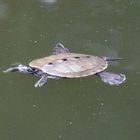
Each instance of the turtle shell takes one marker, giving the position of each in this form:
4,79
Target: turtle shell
70,65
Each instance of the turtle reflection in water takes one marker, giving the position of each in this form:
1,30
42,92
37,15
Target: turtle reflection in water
64,64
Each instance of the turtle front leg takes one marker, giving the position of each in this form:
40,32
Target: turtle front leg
20,68
42,81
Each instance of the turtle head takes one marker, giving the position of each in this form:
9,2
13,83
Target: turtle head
24,69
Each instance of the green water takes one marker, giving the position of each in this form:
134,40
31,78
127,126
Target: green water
69,109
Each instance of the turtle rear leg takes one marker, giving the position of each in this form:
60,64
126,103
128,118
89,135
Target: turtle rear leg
20,68
112,78
42,81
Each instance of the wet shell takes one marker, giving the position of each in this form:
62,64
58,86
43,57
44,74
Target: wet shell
70,65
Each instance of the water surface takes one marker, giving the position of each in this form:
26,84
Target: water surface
69,109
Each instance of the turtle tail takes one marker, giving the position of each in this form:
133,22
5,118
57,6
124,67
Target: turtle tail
111,58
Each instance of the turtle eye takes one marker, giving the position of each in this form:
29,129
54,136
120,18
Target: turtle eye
33,69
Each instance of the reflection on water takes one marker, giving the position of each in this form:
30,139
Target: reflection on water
74,109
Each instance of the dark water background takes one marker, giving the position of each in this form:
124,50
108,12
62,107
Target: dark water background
70,109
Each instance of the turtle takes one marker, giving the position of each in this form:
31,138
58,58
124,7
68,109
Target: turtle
64,64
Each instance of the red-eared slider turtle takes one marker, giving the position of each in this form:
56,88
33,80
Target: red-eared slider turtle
64,64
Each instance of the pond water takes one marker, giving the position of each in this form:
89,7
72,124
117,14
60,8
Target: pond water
70,109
